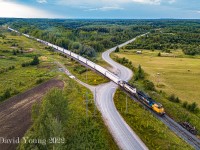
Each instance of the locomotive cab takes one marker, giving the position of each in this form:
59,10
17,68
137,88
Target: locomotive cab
158,108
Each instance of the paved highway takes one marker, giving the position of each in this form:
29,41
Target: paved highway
122,133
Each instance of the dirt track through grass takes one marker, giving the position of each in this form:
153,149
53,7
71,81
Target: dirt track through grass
15,113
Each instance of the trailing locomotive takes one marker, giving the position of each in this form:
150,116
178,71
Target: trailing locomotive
157,107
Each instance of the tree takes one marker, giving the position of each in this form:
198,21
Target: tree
117,49
6,94
149,85
35,61
14,52
139,73
49,121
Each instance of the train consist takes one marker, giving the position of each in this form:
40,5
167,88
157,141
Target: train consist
123,84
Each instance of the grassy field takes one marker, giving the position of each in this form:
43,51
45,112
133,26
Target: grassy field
15,50
174,75
79,130
174,109
81,72
152,132
19,79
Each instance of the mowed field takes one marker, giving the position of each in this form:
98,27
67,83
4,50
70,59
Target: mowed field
174,75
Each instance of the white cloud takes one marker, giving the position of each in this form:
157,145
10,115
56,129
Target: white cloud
14,10
111,2
42,1
198,11
106,8
171,1
152,2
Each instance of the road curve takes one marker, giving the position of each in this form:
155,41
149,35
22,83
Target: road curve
122,133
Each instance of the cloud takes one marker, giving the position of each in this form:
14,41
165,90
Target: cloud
110,2
171,1
42,1
105,8
152,2
14,10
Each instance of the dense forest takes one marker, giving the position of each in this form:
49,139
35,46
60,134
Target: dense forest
85,37
185,37
89,37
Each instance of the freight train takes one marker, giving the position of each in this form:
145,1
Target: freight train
157,107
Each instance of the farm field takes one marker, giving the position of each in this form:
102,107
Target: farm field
174,75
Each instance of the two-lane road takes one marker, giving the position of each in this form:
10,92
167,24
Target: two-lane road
122,133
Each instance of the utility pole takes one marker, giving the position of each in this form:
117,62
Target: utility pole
94,101
86,100
86,75
126,105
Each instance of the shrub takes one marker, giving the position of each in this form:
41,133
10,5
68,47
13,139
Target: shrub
139,73
6,94
80,69
173,98
117,49
35,61
149,85
40,80
185,104
25,64
14,52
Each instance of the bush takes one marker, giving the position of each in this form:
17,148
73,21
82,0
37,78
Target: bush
139,73
14,52
173,98
35,61
25,64
185,104
159,54
191,107
40,80
149,85
117,49
80,69
7,94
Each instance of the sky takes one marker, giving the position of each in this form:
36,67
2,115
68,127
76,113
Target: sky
101,9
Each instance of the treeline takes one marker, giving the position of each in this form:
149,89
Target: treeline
87,39
171,39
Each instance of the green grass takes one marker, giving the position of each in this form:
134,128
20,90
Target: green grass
178,76
23,78
89,76
166,66
151,131
80,131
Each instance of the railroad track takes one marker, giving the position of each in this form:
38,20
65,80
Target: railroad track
182,132
172,125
